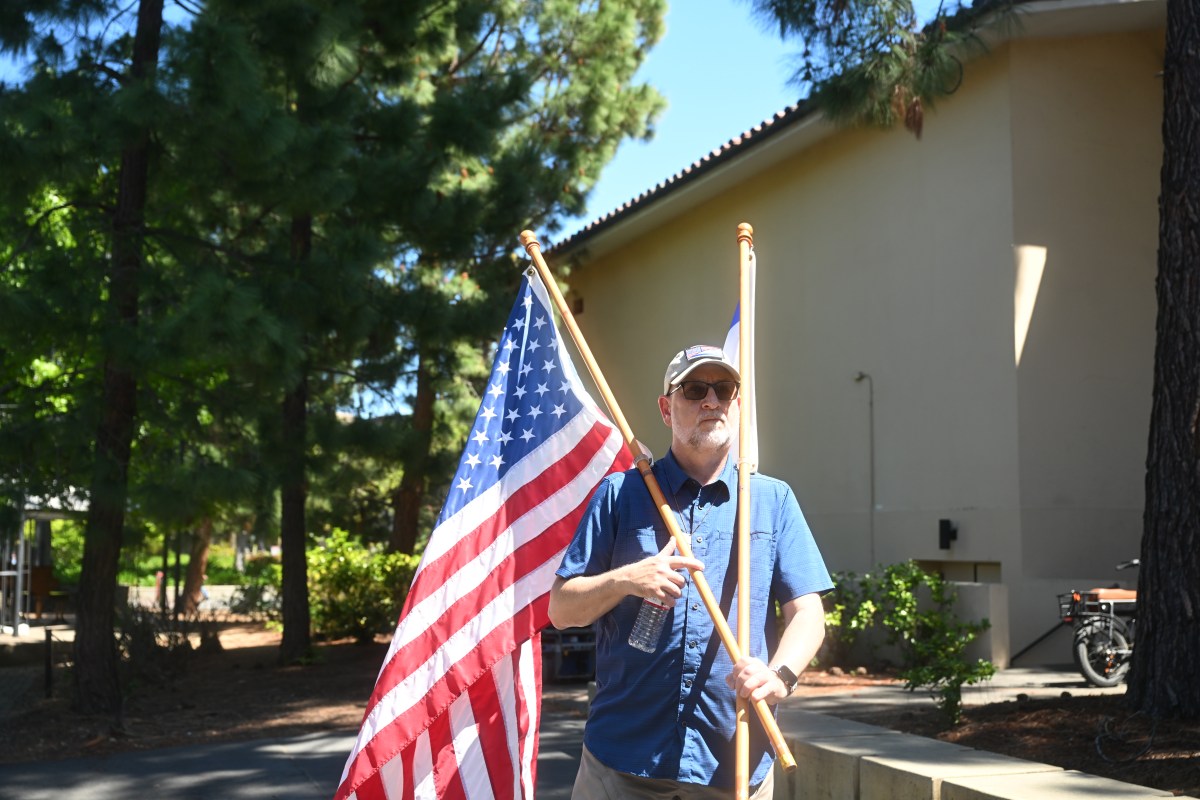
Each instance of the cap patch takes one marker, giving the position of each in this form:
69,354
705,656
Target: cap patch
703,351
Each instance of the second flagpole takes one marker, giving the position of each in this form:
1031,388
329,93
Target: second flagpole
745,403
642,460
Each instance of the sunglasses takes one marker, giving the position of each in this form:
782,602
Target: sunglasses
698,390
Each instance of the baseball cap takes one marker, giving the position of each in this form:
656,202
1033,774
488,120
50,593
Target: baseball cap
689,358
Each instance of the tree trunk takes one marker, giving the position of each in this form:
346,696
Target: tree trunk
1165,681
297,639
407,499
193,584
96,686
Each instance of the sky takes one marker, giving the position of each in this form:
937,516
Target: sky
721,72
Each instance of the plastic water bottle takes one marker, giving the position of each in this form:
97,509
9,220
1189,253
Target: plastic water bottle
648,626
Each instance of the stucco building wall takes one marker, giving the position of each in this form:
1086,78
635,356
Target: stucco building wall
1024,219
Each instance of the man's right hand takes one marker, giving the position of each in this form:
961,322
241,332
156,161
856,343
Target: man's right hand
658,577
582,600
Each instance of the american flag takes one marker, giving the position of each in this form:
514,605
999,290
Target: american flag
456,705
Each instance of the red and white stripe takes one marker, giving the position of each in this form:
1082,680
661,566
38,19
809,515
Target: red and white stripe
456,705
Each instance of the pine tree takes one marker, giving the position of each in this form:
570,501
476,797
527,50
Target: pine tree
423,138
570,102
126,93
98,689
491,118
872,62
1164,680
320,195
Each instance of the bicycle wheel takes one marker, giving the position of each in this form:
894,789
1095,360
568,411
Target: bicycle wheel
1102,652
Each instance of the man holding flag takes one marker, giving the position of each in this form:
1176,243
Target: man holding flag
662,723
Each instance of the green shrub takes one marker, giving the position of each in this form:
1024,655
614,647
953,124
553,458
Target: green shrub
915,610
221,569
355,590
850,610
66,549
931,637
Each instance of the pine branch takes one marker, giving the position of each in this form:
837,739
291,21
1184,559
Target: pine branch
115,17
120,78
206,244
458,64
36,222
188,7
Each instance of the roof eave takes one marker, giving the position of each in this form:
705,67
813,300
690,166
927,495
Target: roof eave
799,127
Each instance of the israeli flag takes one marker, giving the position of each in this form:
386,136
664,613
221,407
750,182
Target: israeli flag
732,348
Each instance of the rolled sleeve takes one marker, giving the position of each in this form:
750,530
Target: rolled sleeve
799,567
590,552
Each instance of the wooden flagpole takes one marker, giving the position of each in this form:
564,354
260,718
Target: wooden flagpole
745,367
642,460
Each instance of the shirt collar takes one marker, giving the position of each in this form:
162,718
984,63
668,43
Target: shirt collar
676,477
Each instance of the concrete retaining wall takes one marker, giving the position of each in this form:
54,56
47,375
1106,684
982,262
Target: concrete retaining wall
844,760
219,596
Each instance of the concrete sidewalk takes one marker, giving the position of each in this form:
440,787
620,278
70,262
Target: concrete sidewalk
1009,684
308,767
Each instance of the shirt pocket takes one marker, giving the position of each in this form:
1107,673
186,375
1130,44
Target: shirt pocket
635,544
762,561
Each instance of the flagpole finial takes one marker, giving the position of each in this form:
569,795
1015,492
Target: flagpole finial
745,231
528,239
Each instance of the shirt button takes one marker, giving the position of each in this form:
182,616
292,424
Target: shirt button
692,643
695,606
687,682
699,539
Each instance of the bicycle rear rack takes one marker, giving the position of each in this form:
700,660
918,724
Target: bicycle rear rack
1097,602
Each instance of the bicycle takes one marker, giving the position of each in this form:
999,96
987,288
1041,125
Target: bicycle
1105,620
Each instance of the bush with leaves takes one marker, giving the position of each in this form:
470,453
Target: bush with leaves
356,590
915,609
918,615
66,547
850,610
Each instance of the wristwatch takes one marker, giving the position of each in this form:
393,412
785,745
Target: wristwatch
787,676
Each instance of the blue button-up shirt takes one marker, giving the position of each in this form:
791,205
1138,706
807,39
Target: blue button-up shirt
669,714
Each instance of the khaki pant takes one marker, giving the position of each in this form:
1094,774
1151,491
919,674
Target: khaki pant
596,781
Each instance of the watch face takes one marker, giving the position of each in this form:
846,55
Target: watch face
787,676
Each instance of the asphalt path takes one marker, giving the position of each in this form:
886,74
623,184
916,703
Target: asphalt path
299,768
309,766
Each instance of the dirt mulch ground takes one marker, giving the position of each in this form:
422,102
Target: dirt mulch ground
239,693
1095,734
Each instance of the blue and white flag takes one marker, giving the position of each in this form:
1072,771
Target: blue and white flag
732,349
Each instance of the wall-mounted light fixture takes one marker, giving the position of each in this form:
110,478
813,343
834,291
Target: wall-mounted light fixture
947,533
